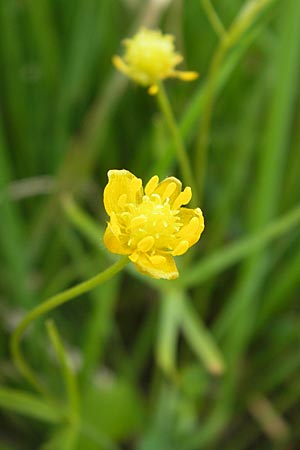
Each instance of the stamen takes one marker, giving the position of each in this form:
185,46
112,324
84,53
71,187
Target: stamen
156,197
151,185
138,220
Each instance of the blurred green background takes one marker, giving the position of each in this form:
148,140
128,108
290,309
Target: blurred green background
149,356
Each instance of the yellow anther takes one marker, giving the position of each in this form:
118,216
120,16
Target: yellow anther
137,221
151,185
146,244
183,198
181,248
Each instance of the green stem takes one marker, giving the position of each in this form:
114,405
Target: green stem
67,372
213,18
184,163
247,15
49,305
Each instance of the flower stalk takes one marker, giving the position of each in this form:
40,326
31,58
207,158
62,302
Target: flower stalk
179,146
46,307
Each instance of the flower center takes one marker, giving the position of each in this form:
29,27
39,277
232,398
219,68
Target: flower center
150,225
151,54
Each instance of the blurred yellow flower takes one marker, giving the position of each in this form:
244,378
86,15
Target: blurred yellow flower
150,225
149,57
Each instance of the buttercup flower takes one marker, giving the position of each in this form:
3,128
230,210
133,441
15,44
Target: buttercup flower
149,57
150,225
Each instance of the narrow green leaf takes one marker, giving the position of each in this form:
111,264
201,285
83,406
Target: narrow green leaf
28,405
201,340
169,327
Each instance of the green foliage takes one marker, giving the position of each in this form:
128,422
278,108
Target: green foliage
206,361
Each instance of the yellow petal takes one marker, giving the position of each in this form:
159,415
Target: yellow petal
181,248
157,267
193,225
164,187
134,257
120,65
146,244
113,244
121,182
183,198
185,76
151,185
153,89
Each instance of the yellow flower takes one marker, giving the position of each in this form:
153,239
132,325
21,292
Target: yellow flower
149,57
150,225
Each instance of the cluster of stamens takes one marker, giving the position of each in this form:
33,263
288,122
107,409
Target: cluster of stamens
152,224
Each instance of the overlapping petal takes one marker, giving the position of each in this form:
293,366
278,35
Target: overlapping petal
121,183
157,266
151,226
192,225
113,243
168,188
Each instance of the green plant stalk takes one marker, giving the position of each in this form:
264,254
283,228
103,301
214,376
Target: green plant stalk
92,231
237,320
188,123
29,405
42,23
241,249
71,387
81,154
82,221
67,371
280,290
12,233
200,339
244,20
168,331
49,305
181,152
213,18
